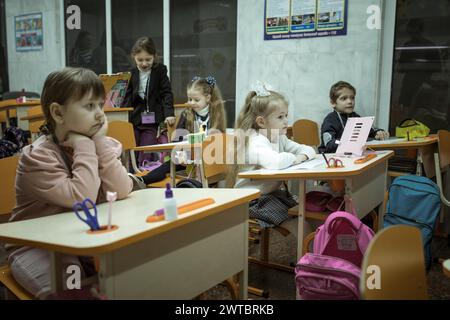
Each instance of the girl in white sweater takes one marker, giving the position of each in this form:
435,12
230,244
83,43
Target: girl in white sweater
262,126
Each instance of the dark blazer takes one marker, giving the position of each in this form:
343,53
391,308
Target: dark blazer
159,95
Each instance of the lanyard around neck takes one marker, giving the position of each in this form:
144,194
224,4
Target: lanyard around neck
340,119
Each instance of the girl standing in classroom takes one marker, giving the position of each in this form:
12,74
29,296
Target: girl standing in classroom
73,161
261,129
206,110
150,95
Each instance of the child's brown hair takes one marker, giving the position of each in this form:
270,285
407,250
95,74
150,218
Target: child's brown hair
144,44
66,85
217,114
338,86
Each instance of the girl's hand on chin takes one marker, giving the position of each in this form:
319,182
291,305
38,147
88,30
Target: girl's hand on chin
73,138
102,131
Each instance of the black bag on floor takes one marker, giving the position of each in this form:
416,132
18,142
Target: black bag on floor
189,183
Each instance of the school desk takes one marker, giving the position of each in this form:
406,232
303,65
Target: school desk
365,184
425,149
21,110
36,120
163,260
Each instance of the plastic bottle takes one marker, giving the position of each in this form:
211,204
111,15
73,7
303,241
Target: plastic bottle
170,205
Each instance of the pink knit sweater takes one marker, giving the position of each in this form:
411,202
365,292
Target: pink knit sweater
44,185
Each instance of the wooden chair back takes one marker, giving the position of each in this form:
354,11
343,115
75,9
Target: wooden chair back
306,132
393,267
8,167
123,132
444,148
217,154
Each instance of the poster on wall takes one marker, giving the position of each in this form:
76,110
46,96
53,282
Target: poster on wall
28,29
297,19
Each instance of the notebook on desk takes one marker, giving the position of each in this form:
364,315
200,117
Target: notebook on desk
355,135
391,140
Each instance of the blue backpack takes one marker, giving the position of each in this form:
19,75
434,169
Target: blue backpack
414,201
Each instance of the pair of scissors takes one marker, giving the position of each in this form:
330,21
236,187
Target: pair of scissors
335,163
88,218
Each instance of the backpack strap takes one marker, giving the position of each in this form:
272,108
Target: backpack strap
342,215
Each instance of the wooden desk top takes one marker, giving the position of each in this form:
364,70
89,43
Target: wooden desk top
166,146
12,103
40,115
321,171
395,144
65,233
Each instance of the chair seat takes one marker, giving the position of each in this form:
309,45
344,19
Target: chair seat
162,183
9,282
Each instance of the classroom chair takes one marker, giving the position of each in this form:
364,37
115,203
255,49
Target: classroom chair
306,132
123,132
35,126
14,95
441,165
442,161
213,172
8,168
396,252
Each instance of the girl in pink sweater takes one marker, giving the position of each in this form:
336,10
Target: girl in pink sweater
74,161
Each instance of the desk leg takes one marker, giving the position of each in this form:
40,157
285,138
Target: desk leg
425,155
22,112
8,118
243,275
172,173
301,217
301,221
56,271
419,162
105,276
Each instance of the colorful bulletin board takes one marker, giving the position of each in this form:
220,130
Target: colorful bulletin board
115,88
297,19
28,32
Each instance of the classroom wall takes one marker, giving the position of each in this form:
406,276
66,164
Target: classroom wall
29,69
305,69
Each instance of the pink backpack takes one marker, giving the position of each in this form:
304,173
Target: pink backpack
332,271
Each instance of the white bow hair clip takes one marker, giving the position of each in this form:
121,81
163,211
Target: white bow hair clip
262,89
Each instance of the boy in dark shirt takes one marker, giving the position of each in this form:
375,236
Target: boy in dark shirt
342,98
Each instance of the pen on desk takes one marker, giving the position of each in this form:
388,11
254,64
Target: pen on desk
110,197
326,160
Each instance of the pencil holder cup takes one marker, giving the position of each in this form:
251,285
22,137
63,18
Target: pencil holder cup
103,229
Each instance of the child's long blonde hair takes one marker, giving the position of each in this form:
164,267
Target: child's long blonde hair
254,106
217,113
